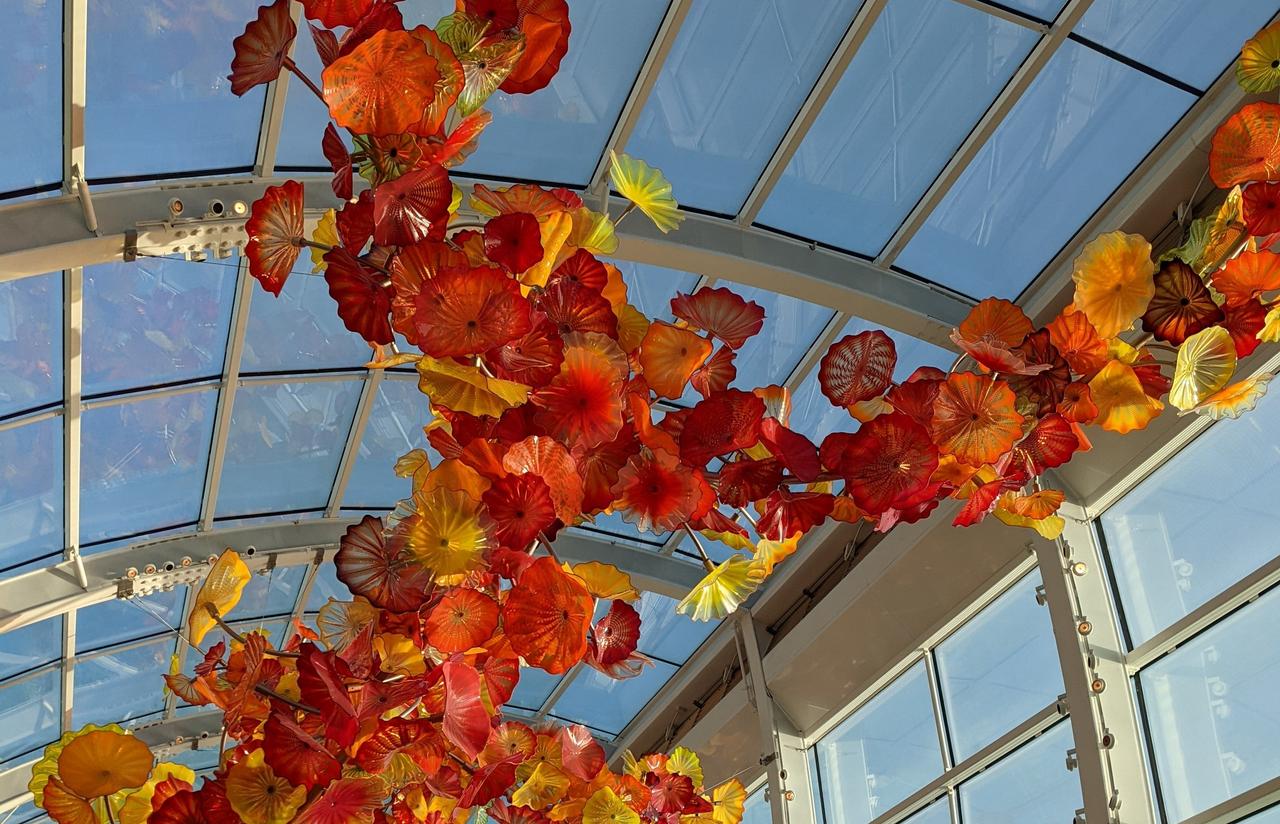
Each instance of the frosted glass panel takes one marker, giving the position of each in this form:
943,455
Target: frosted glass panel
30,713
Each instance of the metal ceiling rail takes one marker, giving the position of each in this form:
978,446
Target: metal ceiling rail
273,109
75,25
155,565
351,450
226,394
72,392
827,82
1004,103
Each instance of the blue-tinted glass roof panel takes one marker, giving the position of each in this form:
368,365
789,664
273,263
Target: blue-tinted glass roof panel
30,713
123,685
29,647
154,321
284,445
665,634
325,585
305,116
1075,135
600,702
731,85
790,327
298,331
1189,40
1031,784
533,688
196,759
158,100
1044,10
121,620
31,492
394,428
143,464
31,77
272,593
30,342
926,72
651,288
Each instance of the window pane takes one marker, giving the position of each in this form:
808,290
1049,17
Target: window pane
120,620
1189,40
757,809
196,759
666,634
154,321
300,330
732,84
533,688
881,754
272,593
939,812
1074,136
604,704
998,669
1044,10
31,492
144,464
325,585
165,65
651,288
31,646
30,340
284,445
30,713
121,686
31,76
394,428
913,91
1200,523
1271,815
1211,711
1032,784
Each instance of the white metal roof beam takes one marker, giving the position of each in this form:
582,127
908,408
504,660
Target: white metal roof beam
72,392
273,107
1009,96
75,23
226,394
368,396
812,106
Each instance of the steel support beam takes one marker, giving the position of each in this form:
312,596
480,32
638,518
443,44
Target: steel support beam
273,108
368,397
226,394
1104,718
72,392
75,25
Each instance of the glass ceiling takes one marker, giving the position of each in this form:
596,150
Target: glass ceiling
206,406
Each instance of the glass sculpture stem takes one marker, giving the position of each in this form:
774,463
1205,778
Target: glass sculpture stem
225,627
293,67
697,542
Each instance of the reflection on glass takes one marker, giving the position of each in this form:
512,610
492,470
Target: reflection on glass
31,77
790,328
30,340
30,712
665,634
119,686
159,98
533,688
325,585
284,445
881,754
1072,138
939,812
29,647
998,669
143,464
120,620
1031,784
154,321
733,82
1189,40
651,288
1211,711
272,593
1044,10
1198,524
604,704
394,428
926,72
756,810
30,492
300,330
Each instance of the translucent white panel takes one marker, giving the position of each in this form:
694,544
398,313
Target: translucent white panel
154,321
120,620
733,82
30,341
30,492
159,101
394,428
651,288
998,669
1074,136
284,445
1211,711
939,812
533,688
30,646
324,586
1198,524
604,704
915,88
31,79
1189,40
30,712
299,331
1032,784
143,464
813,415
273,593
665,634
119,686
881,754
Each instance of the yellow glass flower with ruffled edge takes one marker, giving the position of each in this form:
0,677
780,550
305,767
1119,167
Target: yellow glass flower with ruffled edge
1258,69
724,588
646,188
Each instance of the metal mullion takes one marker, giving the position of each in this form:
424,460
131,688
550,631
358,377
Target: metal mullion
1008,15
72,390
226,394
1000,108
316,377
14,423
273,111
68,667
809,110
304,594
75,25
364,407
939,713
629,116
558,691
130,397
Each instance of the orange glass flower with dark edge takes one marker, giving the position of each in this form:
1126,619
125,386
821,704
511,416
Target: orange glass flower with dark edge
262,49
715,374
1247,276
468,311
412,207
572,307
1244,322
533,358
655,492
521,507
380,570
975,418
464,618
545,26
335,13
615,636
1041,391
1181,305
1261,206
547,615
513,241
382,86
990,333
721,313
364,304
583,268
1247,146
723,423
887,462
1078,341
668,356
599,468
549,460
1077,403
858,367
1050,443
275,232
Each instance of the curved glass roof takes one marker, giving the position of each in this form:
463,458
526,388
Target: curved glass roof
963,143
